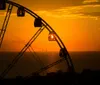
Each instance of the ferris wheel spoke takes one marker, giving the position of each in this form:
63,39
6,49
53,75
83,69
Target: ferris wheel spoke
15,60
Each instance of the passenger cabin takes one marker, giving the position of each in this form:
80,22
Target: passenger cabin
51,36
62,52
20,12
2,4
38,22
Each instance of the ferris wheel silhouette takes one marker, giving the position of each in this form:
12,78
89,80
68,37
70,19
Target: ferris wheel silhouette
41,24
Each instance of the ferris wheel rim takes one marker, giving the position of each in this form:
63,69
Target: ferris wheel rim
49,28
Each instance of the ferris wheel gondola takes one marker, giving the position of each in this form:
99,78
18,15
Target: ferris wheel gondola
2,4
20,12
38,22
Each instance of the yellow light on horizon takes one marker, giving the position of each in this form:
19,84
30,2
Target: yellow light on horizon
51,37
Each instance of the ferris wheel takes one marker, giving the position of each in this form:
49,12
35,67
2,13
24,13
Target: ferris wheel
42,25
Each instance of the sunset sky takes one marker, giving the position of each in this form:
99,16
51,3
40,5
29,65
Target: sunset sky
78,31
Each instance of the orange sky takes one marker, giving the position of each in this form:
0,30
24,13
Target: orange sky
79,33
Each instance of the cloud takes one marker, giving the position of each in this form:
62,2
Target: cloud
71,12
62,12
92,14
53,4
65,12
90,11
48,4
4,14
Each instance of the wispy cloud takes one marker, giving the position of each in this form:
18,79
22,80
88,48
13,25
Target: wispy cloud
92,14
4,14
72,12
69,12
60,13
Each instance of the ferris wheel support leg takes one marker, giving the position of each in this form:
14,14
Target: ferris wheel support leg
70,66
66,56
68,61
5,23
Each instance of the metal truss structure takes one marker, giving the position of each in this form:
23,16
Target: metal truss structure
43,25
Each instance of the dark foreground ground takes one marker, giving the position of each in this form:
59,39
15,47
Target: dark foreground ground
87,77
